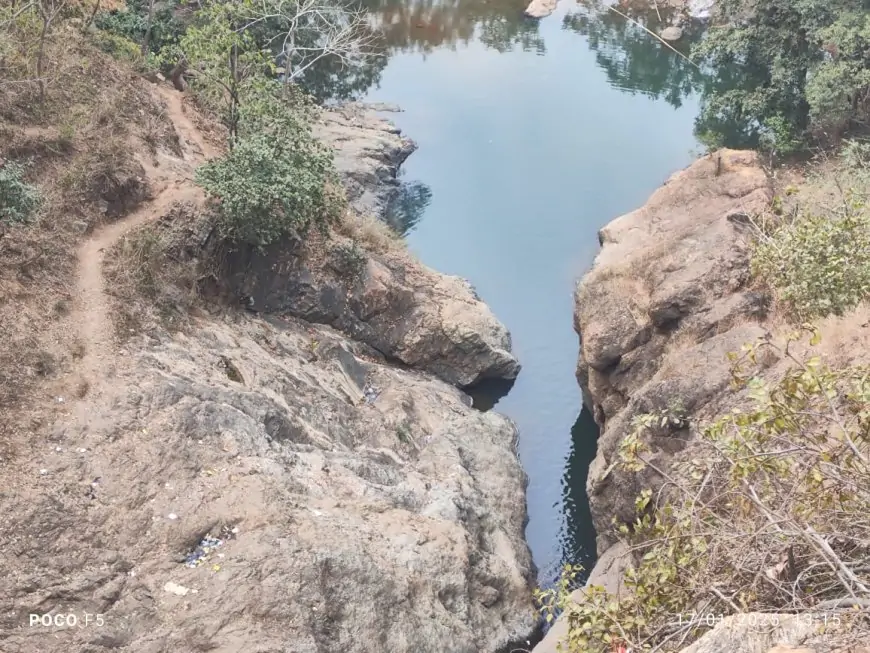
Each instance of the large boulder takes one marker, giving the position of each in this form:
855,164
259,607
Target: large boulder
359,507
672,33
665,301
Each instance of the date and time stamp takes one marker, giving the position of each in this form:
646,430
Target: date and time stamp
761,620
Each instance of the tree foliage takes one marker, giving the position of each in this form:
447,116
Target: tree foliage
786,72
276,179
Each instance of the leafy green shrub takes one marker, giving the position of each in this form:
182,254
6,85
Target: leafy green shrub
349,259
18,200
856,154
275,180
819,264
770,514
118,46
131,23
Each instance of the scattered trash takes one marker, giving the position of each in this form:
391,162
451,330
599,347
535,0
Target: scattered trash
206,547
59,400
92,490
215,568
43,471
370,393
58,449
172,516
82,450
178,590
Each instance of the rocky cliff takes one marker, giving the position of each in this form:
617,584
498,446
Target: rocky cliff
669,296
383,297
368,153
666,299
258,482
358,507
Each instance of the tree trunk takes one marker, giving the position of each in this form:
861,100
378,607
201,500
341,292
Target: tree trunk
93,15
146,43
40,56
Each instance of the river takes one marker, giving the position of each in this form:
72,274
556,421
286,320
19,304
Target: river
532,135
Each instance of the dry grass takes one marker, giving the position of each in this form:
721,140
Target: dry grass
846,339
154,281
370,233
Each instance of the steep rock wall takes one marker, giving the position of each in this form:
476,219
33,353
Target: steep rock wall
665,301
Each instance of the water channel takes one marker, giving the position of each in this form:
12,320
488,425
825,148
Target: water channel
532,135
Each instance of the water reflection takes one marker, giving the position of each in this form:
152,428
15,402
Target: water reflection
426,25
577,539
408,205
633,59
486,394
330,79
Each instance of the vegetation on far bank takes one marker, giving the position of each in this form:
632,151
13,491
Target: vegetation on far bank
785,74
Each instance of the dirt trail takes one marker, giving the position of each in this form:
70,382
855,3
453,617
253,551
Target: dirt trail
171,181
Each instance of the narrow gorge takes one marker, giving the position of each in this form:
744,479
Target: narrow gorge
287,291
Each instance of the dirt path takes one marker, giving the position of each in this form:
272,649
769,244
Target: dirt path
171,180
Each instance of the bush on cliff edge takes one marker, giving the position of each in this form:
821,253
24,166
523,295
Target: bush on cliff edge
277,180
816,256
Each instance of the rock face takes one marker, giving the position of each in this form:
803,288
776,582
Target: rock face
694,9
390,301
267,484
368,153
360,507
701,9
664,303
541,8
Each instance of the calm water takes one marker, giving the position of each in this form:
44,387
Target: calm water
532,136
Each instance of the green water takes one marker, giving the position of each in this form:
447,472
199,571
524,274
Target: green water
532,136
